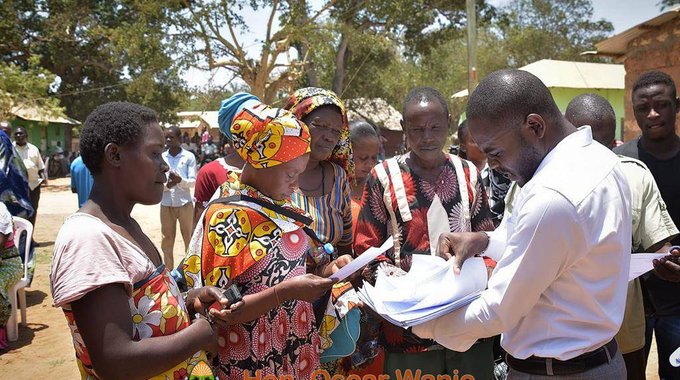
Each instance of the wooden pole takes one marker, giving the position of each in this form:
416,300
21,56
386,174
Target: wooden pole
471,44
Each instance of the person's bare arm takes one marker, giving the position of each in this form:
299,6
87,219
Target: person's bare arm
105,324
307,287
198,210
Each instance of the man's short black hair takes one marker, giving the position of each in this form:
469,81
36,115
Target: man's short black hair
425,94
589,107
361,129
655,77
175,130
511,95
121,123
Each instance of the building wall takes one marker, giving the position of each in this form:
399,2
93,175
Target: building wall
46,136
658,49
563,96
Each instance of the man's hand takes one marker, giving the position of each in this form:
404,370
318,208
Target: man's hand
173,179
460,246
668,267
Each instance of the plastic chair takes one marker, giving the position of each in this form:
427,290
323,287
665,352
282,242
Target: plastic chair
19,290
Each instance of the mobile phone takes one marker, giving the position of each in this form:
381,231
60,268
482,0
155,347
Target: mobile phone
232,294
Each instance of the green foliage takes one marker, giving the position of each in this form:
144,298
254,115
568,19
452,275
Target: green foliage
667,4
524,32
29,87
532,30
101,50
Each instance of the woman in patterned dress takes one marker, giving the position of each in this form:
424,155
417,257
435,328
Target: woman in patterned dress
127,317
10,269
324,190
254,237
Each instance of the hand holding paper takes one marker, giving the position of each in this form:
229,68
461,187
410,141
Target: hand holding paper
362,260
668,267
429,290
641,263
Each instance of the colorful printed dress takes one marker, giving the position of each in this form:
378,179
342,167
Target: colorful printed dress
331,212
256,248
10,264
416,208
89,254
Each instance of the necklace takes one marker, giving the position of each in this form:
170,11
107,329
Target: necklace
319,186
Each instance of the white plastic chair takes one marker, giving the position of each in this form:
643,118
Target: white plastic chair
20,225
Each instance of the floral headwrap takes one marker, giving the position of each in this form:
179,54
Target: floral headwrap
306,100
264,136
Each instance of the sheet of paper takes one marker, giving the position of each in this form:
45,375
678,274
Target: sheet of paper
440,289
429,290
641,263
363,260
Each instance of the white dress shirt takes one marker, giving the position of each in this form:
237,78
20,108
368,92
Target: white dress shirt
559,288
184,164
30,155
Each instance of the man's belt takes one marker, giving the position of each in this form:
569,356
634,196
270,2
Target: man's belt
550,366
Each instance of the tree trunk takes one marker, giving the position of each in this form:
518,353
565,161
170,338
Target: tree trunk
310,67
340,62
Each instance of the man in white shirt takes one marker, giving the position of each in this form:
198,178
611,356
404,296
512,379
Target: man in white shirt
177,202
558,292
35,167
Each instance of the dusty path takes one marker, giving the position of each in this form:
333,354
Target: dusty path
44,349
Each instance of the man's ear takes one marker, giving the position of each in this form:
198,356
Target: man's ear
677,105
534,126
112,154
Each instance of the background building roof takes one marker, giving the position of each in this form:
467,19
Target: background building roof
618,44
192,119
31,113
568,74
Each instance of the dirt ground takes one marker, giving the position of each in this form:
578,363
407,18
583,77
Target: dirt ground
44,348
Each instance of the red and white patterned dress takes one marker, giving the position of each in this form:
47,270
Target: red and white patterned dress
238,244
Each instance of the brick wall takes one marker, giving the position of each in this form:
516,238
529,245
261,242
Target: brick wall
658,49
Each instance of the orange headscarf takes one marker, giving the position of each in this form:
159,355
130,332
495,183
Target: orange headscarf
264,136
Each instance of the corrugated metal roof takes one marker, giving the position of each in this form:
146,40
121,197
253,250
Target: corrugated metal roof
569,74
618,44
189,119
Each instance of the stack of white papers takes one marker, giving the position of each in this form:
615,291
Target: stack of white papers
429,290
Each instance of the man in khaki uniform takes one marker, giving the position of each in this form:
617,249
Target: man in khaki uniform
652,225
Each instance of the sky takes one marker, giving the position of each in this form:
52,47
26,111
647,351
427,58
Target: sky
623,14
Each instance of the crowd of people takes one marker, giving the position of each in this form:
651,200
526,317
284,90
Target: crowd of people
300,193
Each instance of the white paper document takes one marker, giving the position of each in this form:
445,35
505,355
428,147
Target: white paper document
641,263
429,290
363,260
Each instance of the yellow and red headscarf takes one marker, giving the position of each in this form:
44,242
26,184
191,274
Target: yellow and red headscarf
306,100
262,135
